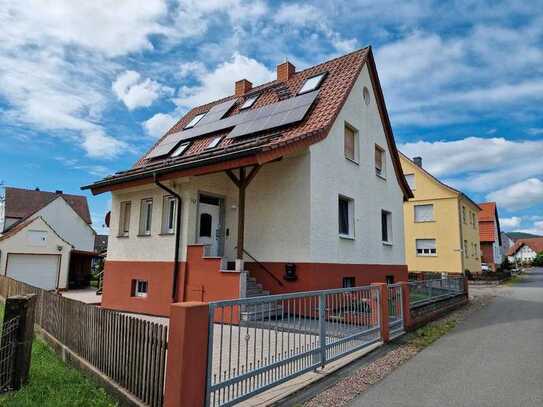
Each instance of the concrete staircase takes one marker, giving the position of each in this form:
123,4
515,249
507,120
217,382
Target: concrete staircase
261,311
255,289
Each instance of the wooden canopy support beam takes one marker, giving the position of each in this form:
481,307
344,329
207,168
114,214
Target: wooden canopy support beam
242,181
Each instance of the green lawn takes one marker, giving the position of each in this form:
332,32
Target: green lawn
53,384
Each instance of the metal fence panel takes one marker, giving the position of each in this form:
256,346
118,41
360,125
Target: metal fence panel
257,343
427,291
8,341
395,310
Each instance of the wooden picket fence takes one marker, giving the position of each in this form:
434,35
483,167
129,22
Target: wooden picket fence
131,351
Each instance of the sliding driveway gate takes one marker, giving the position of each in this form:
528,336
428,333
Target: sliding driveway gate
257,343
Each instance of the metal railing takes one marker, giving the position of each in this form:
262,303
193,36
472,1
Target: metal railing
257,343
395,310
427,291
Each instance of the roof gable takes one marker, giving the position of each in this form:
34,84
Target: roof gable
536,244
28,222
23,203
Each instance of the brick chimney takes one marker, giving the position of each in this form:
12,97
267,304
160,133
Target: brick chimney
418,161
242,87
285,71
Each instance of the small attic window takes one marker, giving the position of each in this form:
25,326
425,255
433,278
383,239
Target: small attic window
312,83
250,101
180,150
195,120
214,143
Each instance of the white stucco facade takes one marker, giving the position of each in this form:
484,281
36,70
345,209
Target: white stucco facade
291,205
525,253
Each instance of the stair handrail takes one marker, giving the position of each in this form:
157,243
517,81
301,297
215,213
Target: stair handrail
263,267
100,283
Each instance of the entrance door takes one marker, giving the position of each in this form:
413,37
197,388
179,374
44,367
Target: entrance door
209,224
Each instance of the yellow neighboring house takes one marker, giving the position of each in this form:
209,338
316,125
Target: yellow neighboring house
441,224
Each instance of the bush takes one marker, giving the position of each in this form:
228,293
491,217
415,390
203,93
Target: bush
506,264
538,260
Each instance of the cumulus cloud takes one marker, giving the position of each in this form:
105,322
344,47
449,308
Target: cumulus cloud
220,81
520,195
135,92
477,163
99,145
510,223
159,124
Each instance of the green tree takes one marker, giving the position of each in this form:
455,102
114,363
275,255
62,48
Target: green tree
538,260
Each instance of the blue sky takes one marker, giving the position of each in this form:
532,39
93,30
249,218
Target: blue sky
85,89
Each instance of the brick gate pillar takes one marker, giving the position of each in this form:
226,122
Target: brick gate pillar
187,355
383,310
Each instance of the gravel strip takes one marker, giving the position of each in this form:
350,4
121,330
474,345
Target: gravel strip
348,388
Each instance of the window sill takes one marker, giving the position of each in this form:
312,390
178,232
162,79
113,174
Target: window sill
149,235
426,255
352,161
346,237
386,243
139,297
425,221
384,178
123,236
167,234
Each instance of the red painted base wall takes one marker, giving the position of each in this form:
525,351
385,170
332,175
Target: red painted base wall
321,276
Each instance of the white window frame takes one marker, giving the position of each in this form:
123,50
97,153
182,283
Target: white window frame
413,184
214,143
146,216
356,148
382,173
169,215
195,120
249,101
388,217
125,209
350,216
426,251
138,288
180,150
312,83
423,220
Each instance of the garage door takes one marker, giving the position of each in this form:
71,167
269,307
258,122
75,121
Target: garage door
39,270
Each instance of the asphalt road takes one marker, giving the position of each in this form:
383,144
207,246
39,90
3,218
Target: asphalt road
493,358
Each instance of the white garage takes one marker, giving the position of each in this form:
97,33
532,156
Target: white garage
38,270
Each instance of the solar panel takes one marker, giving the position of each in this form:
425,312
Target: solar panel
279,114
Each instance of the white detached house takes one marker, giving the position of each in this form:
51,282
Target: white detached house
45,238
288,186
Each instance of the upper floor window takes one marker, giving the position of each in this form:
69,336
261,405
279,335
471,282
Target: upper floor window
346,216
180,150
146,216
380,169
124,218
386,226
312,83
250,101
410,178
169,214
195,120
426,247
214,143
424,213
464,214
466,250
473,219
351,143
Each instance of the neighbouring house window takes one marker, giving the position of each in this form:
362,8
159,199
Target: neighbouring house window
346,216
169,214
351,143
205,225
390,279
139,288
348,282
426,247
124,219
424,213
466,248
410,178
146,216
379,161
386,226
473,218
464,213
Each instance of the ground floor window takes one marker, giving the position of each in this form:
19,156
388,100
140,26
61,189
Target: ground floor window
139,288
348,282
390,279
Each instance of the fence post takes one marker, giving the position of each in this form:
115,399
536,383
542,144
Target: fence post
322,327
187,355
383,310
21,306
466,286
405,305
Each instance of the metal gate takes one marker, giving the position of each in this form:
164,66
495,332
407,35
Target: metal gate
395,310
257,343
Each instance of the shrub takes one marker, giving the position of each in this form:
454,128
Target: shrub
538,260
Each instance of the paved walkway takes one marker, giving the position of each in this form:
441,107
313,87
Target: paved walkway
494,358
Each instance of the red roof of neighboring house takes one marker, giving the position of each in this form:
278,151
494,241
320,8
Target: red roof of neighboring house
266,146
488,222
536,244
22,203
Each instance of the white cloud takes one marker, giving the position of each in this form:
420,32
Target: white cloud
296,13
220,82
521,195
535,131
510,223
535,229
187,69
479,164
159,124
99,145
136,92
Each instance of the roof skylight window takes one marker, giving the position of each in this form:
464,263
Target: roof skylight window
214,143
195,120
250,101
312,83
180,150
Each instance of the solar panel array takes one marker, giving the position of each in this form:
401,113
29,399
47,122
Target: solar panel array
279,114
